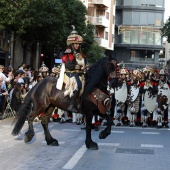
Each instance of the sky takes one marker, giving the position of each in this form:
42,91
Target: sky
167,9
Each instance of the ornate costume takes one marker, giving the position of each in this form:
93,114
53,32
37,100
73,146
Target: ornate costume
121,96
134,97
163,99
72,70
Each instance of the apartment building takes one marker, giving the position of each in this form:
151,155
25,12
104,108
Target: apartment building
101,13
138,38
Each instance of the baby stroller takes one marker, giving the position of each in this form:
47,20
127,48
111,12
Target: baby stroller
9,112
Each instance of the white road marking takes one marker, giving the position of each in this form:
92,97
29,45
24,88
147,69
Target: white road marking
150,133
151,146
109,144
7,140
75,158
73,130
113,131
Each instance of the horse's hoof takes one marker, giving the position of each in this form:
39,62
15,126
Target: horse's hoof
103,135
92,146
54,142
27,138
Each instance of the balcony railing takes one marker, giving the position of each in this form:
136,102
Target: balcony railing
141,59
101,21
105,3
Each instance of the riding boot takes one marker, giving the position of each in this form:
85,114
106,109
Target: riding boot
73,105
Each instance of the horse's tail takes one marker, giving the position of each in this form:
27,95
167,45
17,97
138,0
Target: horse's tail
24,110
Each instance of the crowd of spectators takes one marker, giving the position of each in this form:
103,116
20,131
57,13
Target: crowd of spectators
15,84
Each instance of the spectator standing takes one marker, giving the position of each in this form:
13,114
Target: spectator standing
17,97
22,76
3,92
3,77
36,78
22,66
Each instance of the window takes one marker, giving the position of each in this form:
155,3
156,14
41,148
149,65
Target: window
133,53
142,55
151,18
150,39
107,15
113,38
126,37
143,18
142,37
106,35
127,17
134,37
158,39
136,18
100,13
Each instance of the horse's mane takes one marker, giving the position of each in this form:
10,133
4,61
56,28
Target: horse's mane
94,75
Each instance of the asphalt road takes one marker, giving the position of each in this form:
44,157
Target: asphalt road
127,148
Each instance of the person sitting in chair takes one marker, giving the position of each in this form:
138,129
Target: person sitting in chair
74,63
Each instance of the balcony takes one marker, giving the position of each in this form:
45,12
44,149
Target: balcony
99,21
102,3
103,43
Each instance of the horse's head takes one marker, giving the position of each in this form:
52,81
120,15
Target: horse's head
112,72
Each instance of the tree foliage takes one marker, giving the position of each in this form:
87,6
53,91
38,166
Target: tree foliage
166,30
46,21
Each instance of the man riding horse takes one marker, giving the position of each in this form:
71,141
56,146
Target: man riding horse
72,69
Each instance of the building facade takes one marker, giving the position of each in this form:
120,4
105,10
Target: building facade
138,39
101,13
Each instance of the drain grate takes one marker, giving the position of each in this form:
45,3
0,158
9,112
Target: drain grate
135,151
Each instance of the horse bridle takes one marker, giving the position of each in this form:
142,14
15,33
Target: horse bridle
112,75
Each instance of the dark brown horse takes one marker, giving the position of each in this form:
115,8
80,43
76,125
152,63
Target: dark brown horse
44,97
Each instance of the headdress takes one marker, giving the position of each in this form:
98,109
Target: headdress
74,37
43,68
137,73
123,70
163,72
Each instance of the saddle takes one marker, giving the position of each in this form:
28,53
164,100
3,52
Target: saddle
101,100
